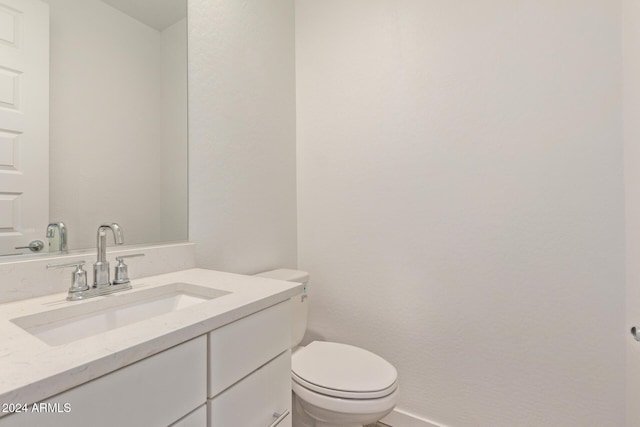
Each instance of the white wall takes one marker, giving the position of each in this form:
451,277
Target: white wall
242,201
105,118
631,108
173,168
461,201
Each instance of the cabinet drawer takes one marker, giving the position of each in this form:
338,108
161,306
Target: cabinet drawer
197,418
155,391
237,349
255,401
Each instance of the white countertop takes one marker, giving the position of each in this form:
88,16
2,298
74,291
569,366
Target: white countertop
31,371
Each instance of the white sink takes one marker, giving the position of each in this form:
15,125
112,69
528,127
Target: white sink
88,318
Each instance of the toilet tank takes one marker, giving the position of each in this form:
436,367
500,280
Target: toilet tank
299,303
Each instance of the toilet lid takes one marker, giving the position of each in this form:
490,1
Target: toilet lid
343,370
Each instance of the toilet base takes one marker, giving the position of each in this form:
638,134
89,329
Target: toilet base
324,418
298,416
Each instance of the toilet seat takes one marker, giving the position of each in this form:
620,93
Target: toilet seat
366,411
343,371
342,393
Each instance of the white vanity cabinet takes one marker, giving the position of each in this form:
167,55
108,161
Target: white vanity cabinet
238,375
250,371
157,391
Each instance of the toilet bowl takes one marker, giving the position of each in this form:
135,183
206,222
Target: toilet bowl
341,385
333,384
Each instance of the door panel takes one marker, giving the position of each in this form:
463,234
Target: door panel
24,122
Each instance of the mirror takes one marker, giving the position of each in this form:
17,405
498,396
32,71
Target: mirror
117,120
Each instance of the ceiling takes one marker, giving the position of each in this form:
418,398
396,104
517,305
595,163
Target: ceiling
158,14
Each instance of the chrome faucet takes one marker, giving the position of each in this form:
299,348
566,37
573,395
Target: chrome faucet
62,235
101,277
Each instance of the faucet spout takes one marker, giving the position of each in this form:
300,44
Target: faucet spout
118,238
101,276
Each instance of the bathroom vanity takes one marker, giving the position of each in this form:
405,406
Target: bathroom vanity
191,348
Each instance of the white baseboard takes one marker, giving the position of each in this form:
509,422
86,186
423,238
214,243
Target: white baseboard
400,418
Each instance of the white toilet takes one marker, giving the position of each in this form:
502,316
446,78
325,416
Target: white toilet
335,385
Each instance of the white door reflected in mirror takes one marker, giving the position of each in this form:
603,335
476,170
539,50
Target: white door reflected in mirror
24,124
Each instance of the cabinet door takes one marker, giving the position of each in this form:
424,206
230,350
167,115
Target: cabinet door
155,391
262,399
239,348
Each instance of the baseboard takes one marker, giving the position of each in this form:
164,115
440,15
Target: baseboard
400,418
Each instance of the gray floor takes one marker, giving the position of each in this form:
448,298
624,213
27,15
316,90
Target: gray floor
378,424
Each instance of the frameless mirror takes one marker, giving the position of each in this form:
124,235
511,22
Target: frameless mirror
117,112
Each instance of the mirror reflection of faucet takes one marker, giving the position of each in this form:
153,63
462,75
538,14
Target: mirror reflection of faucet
63,236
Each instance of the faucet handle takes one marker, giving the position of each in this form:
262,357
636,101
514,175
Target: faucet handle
122,270
120,258
78,264
78,277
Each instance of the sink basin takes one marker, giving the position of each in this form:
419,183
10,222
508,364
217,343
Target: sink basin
68,324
